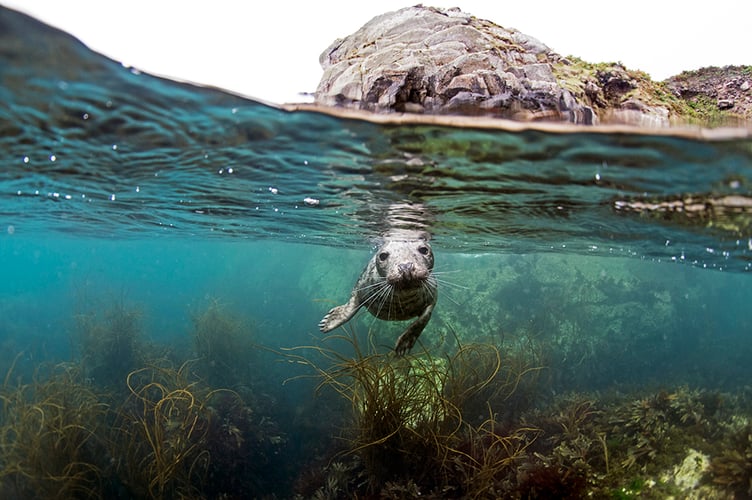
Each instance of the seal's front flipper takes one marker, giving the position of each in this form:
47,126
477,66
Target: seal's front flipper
407,340
339,315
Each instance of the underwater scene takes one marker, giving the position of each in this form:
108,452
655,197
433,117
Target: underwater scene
167,252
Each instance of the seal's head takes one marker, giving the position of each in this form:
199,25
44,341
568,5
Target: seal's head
405,264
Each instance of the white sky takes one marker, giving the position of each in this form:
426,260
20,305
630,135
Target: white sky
270,49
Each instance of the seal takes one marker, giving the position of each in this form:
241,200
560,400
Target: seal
396,285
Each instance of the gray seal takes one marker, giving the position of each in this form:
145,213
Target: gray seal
396,285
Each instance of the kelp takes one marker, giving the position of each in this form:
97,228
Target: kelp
409,421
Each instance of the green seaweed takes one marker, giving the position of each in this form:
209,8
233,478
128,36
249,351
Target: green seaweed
111,344
224,346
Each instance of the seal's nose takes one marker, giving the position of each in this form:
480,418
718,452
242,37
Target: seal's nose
406,267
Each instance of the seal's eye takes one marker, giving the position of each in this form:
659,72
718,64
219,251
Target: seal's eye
383,256
423,250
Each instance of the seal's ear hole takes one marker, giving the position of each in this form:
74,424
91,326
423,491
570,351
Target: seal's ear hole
383,256
423,250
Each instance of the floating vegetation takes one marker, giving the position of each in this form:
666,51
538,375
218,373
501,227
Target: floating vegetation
732,469
476,423
162,428
173,437
91,429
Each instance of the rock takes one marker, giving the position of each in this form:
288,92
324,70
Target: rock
688,475
717,94
423,59
725,103
428,60
615,82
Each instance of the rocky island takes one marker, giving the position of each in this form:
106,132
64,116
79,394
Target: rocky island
445,61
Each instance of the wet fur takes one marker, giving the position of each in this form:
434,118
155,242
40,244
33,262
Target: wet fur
397,284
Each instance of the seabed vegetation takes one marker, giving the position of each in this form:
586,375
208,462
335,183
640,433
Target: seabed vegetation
224,346
408,417
469,413
52,436
110,342
479,424
152,427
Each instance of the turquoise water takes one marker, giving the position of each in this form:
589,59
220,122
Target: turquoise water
617,261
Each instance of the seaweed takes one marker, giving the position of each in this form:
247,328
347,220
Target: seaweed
732,468
111,344
161,428
178,437
409,431
224,346
91,429
51,437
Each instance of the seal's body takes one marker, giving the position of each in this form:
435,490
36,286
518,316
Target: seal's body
397,284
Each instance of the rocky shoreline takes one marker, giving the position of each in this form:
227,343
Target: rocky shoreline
444,61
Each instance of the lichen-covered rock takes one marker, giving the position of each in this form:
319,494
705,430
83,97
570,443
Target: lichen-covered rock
423,59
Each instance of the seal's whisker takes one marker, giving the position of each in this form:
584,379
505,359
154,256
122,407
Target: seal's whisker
385,297
432,287
376,290
376,298
452,271
451,284
378,295
389,300
441,278
431,290
449,297
372,285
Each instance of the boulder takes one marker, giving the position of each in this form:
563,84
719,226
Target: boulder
444,61
429,60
